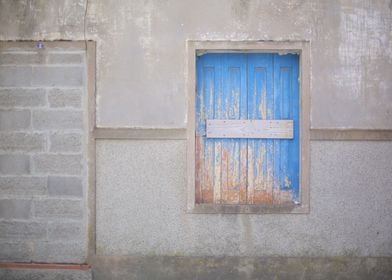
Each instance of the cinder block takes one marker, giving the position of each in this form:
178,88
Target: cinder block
65,231
17,185
18,230
58,76
20,141
21,58
18,97
14,120
15,209
58,208
65,98
61,119
60,252
65,58
15,252
65,186
15,76
14,164
57,164
65,142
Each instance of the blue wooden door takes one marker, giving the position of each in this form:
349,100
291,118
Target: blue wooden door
247,87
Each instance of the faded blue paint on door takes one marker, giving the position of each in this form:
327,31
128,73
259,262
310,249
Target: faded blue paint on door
255,87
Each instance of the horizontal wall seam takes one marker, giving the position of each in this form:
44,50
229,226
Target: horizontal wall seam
181,134
351,134
28,44
141,133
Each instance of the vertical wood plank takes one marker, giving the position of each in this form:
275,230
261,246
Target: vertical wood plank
234,108
224,114
277,107
286,106
199,145
209,91
204,147
243,143
294,147
260,107
199,166
218,142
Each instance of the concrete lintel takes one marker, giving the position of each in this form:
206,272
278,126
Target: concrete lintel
247,46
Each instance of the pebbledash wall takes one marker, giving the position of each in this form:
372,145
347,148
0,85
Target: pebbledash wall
140,82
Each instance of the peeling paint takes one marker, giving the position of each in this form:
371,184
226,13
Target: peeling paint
244,171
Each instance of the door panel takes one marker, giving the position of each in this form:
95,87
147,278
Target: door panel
253,87
286,106
260,151
234,107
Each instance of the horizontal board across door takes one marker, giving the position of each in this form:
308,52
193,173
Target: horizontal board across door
254,100
263,129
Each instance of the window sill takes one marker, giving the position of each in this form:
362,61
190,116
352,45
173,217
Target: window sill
288,208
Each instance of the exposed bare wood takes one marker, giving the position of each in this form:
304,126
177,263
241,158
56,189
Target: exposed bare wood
267,129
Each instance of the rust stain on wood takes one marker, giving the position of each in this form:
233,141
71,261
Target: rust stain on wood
199,168
223,177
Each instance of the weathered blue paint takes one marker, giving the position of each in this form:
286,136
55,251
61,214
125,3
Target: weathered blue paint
286,105
260,151
247,86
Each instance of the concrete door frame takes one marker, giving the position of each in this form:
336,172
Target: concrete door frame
300,47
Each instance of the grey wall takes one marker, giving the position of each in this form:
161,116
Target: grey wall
141,51
42,155
141,202
141,82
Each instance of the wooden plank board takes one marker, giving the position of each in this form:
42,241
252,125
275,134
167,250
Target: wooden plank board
286,106
264,129
234,106
207,86
260,107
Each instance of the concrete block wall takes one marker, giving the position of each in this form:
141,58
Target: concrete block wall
42,155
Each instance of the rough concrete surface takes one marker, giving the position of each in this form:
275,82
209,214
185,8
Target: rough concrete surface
141,51
141,185
42,156
141,202
44,274
234,268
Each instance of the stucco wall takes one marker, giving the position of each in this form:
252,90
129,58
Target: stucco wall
141,202
141,187
141,51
